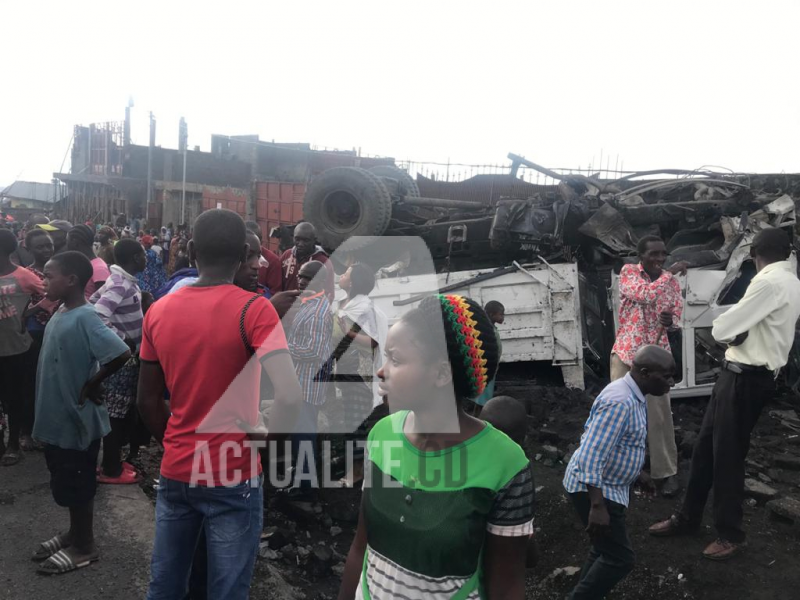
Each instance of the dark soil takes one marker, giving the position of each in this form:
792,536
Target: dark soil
305,546
666,568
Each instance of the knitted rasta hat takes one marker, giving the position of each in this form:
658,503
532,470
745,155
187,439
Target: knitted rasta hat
469,337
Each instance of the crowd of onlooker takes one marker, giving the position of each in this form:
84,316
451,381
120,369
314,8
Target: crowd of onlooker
111,336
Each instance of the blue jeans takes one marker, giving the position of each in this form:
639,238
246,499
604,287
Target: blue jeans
232,518
611,556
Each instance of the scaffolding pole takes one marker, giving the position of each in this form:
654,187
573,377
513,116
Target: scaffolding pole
183,143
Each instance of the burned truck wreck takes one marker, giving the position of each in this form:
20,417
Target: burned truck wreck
707,219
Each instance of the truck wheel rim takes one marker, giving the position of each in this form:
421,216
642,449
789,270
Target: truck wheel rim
341,211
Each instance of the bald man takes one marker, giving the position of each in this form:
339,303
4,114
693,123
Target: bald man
606,464
305,249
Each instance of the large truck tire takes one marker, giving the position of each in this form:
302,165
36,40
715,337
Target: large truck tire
406,182
343,202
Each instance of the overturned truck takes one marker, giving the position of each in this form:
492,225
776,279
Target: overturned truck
478,242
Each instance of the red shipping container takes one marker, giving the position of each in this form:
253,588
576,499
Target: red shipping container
278,204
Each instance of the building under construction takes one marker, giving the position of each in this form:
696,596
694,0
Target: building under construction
263,181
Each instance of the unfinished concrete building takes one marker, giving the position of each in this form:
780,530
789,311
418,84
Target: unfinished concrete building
262,181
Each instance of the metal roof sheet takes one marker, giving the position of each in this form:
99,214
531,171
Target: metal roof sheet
30,190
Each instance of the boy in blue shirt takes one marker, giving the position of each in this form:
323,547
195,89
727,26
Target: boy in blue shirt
78,353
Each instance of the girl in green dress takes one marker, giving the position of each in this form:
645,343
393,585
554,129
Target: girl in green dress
447,505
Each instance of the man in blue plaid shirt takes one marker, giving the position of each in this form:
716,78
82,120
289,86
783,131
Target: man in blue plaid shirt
608,462
309,340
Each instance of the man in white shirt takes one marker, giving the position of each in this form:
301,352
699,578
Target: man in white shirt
759,332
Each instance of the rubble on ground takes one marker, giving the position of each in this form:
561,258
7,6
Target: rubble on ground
308,546
759,491
788,508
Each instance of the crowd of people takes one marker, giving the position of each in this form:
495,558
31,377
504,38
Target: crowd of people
119,285
113,336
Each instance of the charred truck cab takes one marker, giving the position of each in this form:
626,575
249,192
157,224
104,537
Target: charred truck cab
551,254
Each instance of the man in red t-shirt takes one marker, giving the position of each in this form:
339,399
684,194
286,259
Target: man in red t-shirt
305,250
200,343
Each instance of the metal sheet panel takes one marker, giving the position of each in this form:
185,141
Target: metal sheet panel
542,314
234,199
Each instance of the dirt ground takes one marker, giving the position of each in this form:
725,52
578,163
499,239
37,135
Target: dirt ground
670,568
305,546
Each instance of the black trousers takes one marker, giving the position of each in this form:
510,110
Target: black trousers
31,358
16,380
140,435
73,477
611,557
721,449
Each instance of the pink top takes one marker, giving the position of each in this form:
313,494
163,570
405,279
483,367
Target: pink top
100,273
641,302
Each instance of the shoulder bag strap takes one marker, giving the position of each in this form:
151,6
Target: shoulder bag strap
250,350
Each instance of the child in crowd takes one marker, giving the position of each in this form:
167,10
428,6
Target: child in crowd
119,305
16,287
81,239
78,354
507,414
37,315
140,435
447,508
497,315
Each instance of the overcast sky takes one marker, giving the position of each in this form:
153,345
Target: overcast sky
669,84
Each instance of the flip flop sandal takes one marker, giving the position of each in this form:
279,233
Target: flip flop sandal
10,458
125,467
124,478
61,563
48,548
